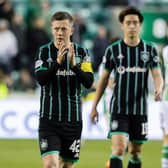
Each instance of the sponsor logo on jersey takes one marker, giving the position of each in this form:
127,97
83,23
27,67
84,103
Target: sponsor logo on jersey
122,69
145,56
65,73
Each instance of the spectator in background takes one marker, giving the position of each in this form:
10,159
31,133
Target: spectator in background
100,43
8,50
36,36
24,81
79,29
6,10
47,10
33,10
22,78
19,29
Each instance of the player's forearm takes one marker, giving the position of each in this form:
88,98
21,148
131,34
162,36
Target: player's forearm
44,76
86,78
102,84
158,80
158,83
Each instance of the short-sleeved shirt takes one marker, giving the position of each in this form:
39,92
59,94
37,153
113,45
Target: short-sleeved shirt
131,67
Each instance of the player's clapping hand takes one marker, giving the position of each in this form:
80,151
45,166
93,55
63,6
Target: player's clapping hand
72,55
62,50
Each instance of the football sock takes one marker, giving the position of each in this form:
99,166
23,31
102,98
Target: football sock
164,160
134,163
115,161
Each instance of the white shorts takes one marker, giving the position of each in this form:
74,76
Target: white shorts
164,116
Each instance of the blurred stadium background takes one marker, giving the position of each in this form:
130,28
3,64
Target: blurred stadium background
26,25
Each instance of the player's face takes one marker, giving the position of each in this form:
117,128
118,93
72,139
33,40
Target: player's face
62,30
131,26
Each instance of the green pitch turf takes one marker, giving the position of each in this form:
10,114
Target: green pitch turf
94,153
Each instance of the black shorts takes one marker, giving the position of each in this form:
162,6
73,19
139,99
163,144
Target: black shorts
62,138
134,126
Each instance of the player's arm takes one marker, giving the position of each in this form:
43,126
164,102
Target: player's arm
85,78
83,72
158,83
44,72
156,74
102,84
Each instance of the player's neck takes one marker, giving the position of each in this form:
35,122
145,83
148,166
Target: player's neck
132,41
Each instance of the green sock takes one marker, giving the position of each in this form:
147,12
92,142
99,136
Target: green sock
116,161
164,160
134,163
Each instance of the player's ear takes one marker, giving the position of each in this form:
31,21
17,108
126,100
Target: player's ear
122,25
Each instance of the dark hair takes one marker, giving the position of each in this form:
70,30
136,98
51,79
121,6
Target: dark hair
131,10
62,16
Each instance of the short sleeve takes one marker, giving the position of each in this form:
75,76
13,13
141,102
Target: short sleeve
40,61
108,59
155,59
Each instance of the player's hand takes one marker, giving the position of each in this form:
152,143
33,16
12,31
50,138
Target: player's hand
71,55
158,95
94,116
62,50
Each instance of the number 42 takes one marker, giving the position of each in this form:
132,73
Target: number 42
75,146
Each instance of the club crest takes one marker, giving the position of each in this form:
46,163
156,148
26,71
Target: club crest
44,144
38,63
145,56
114,125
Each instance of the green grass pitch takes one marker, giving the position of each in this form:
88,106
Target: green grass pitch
94,154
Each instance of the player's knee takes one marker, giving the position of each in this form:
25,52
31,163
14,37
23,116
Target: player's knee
119,151
50,164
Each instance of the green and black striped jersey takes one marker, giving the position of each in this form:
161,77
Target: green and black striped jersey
61,84
131,67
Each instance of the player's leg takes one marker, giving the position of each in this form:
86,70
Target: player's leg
65,164
119,137
138,135
135,150
51,161
119,144
164,160
50,144
70,148
164,127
